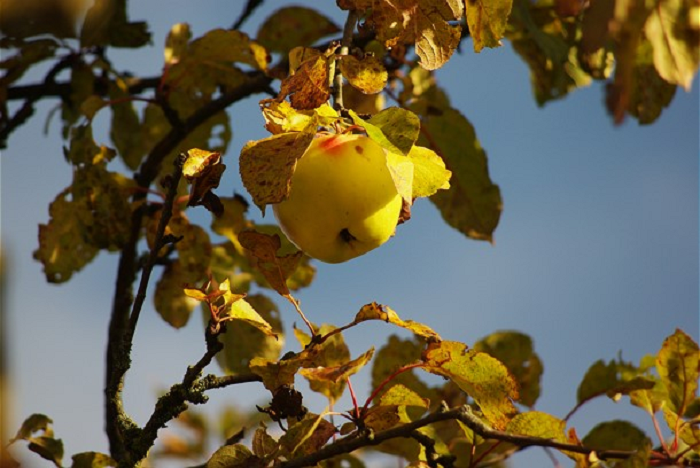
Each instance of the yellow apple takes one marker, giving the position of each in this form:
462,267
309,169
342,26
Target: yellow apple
343,201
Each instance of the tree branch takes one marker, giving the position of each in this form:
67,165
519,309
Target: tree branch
345,45
464,414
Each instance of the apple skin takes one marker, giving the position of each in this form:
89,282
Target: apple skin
343,201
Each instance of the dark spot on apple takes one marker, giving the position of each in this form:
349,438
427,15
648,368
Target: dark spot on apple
345,236
359,149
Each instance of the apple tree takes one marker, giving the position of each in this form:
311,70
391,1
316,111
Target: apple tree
359,128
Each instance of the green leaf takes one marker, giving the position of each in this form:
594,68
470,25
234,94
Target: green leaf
92,460
649,93
106,24
264,446
401,395
677,365
243,342
194,248
538,424
608,379
62,248
294,26
91,106
376,311
487,21
395,129
673,30
170,300
267,166
481,376
234,456
306,436
515,350
242,310
615,435
126,131
473,204
395,354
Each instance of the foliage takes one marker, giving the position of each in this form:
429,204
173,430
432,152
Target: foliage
172,133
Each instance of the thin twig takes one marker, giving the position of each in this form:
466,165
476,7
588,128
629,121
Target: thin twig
345,45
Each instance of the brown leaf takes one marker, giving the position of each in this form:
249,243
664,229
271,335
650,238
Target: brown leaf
264,249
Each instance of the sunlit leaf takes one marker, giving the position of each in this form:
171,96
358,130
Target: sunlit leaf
376,311
676,42
294,26
176,43
487,21
275,268
677,365
515,350
281,117
481,376
401,395
309,86
537,424
267,165
395,129
337,374
429,172
243,342
423,22
37,430
366,74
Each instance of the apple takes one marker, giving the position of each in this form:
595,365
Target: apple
343,201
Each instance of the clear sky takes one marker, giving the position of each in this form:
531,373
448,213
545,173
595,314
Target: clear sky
596,253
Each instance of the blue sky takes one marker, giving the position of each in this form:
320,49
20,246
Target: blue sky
596,253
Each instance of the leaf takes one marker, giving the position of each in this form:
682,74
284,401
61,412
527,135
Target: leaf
126,131
649,93
194,247
331,356
374,311
176,43
281,117
106,24
677,365
29,19
615,435
267,166
243,342
366,74
202,169
538,424
242,310
515,351
172,303
264,249
607,379
234,456
309,86
423,22
92,460
37,430
673,30
91,106
62,249
487,21
401,395
339,373
306,436
264,446
294,26
481,376
401,170
429,172
395,129
397,353
473,203
226,46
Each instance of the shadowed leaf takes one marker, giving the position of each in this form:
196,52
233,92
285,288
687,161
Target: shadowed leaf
367,74
487,21
294,26
276,269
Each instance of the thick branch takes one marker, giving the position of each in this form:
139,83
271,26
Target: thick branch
463,414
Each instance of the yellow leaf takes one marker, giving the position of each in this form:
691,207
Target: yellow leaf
276,269
487,21
309,85
429,172
376,311
198,161
481,376
241,310
267,165
367,74
176,42
339,373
